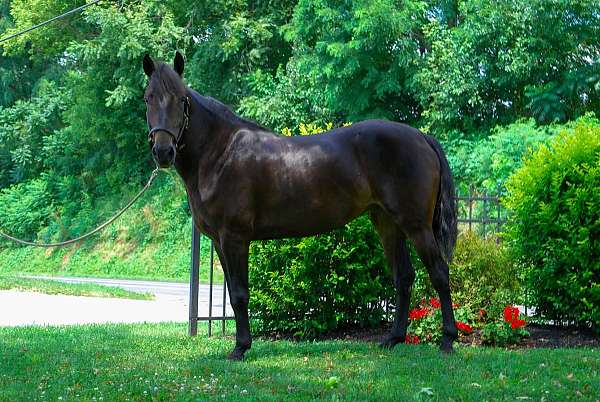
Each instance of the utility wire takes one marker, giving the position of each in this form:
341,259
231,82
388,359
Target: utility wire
75,10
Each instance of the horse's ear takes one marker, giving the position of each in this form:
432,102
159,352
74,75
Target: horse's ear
148,65
178,63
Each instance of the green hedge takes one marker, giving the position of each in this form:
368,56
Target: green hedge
554,227
483,275
316,284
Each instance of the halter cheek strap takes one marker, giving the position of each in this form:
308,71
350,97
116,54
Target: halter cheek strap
182,128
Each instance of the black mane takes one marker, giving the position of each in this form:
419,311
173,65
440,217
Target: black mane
222,111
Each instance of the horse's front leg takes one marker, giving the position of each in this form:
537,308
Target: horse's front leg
235,255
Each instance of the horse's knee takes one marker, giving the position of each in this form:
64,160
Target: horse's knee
440,281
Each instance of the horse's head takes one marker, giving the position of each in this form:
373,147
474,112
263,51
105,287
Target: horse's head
167,108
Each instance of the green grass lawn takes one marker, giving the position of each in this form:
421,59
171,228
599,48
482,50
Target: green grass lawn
160,362
74,289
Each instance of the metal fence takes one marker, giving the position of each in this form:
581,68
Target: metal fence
194,318
480,212
477,212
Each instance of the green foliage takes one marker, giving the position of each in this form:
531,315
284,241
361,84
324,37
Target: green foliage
24,208
487,70
554,226
501,334
351,60
425,322
483,274
509,331
26,128
286,99
150,241
487,163
313,285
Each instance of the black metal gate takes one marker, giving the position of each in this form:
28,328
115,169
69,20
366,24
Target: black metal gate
195,288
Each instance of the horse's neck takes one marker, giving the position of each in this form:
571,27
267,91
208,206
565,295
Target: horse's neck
206,140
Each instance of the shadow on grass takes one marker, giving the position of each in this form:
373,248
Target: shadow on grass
160,362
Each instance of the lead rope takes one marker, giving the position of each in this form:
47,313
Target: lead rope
93,232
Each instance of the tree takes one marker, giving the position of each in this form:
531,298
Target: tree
501,61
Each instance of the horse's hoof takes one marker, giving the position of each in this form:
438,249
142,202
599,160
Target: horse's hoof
236,356
390,342
446,346
238,353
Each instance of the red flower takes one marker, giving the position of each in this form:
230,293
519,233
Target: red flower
511,313
418,313
412,339
435,303
517,324
464,327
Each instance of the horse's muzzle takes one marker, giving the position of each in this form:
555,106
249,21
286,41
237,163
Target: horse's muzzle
164,156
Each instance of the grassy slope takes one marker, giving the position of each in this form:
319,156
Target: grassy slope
150,241
159,362
73,289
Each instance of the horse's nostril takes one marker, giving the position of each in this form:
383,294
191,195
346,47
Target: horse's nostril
171,153
154,151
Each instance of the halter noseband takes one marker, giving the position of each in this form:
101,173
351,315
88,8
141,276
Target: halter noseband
182,128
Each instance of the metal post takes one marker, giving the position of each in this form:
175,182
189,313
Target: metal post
470,208
484,220
210,288
194,282
498,214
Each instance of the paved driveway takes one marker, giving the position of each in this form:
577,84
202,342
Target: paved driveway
171,304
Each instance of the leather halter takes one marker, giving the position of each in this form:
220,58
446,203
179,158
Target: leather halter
182,128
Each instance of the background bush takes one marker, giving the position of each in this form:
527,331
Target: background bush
486,163
555,225
316,284
483,274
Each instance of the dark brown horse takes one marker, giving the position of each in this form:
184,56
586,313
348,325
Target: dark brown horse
246,183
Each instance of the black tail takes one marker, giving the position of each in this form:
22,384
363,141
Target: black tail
444,216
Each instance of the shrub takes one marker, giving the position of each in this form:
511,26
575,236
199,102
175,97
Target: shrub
24,208
425,322
554,226
488,162
316,284
483,274
507,332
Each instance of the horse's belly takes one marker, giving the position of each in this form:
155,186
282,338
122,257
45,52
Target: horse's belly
309,213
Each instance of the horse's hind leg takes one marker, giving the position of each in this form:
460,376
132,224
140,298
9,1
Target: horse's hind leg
429,252
403,273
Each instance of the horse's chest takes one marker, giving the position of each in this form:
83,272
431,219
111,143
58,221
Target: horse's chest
223,207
